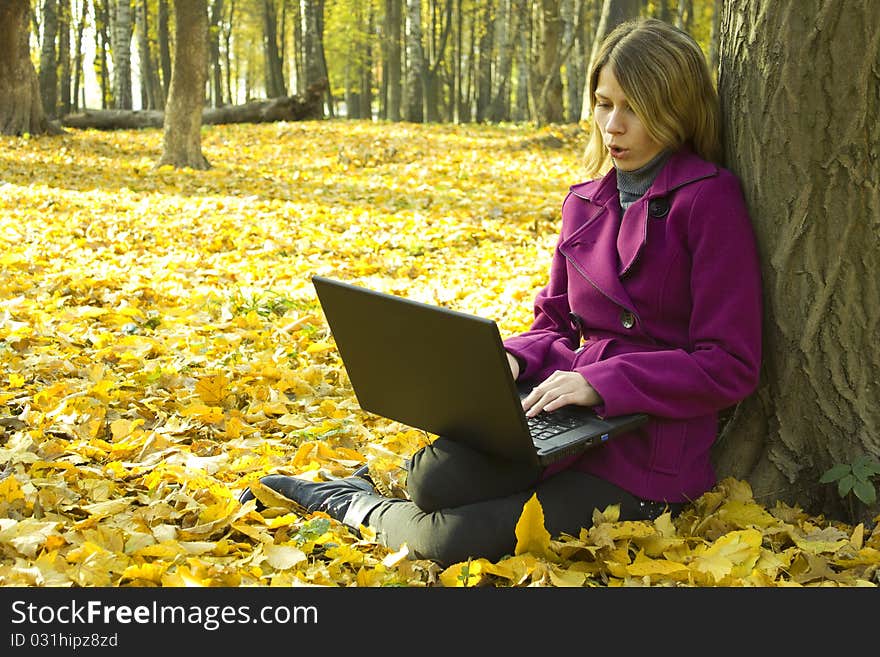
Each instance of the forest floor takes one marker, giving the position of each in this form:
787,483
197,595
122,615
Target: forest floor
161,348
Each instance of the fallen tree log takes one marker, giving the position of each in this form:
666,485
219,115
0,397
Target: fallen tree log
287,108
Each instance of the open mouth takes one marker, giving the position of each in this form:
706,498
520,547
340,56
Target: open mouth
616,152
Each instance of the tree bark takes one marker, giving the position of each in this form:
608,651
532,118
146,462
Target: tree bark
122,30
415,64
182,143
21,110
486,45
798,83
393,21
162,36
78,60
545,91
214,50
49,60
275,87
142,25
64,26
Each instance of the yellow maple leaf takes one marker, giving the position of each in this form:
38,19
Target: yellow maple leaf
213,390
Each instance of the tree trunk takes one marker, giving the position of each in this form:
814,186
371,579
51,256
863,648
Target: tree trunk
182,143
313,38
714,36
102,25
798,83
78,73
64,68
288,108
48,59
142,25
546,80
433,63
499,108
484,60
415,61
163,37
393,22
122,30
521,100
21,110
274,69
366,81
214,50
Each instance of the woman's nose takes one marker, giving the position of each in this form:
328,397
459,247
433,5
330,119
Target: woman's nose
614,124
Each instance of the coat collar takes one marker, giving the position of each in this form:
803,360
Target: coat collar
683,167
615,250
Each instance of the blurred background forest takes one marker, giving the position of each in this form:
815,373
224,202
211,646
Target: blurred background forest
399,60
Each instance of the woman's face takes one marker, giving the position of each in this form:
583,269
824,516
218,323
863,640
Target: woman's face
623,133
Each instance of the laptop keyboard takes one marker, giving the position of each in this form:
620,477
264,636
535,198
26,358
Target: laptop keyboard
547,425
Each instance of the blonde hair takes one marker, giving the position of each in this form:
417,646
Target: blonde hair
666,79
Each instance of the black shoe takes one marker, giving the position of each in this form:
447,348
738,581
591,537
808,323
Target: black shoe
331,497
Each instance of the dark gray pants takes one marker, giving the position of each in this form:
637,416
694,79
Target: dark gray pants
466,504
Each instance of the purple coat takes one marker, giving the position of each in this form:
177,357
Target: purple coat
659,308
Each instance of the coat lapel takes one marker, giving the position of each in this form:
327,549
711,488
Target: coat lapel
609,242
592,247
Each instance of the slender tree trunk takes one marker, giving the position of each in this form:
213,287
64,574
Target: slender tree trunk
122,30
546,79
227,45
499,108
64,76
21,109
433,65
521,100
275,87
78,72
214,53
394,18
102,40
163,36
714,36
142,25
49,60
182,143
684,16
484,63
313,39
415,57
798,83
366,98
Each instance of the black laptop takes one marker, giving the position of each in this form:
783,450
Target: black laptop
446,372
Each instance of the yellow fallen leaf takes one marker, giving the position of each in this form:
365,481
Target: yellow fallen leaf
531,535
283,557
213,390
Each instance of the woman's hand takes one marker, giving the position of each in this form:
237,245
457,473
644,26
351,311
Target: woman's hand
558,390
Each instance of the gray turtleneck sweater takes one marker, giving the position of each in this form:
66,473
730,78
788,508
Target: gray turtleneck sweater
632,185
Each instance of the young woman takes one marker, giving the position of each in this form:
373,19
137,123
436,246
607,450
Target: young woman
653,305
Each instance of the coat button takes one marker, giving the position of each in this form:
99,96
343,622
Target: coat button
627,319
658,207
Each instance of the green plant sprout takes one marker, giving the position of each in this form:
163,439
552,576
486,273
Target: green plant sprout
855,478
